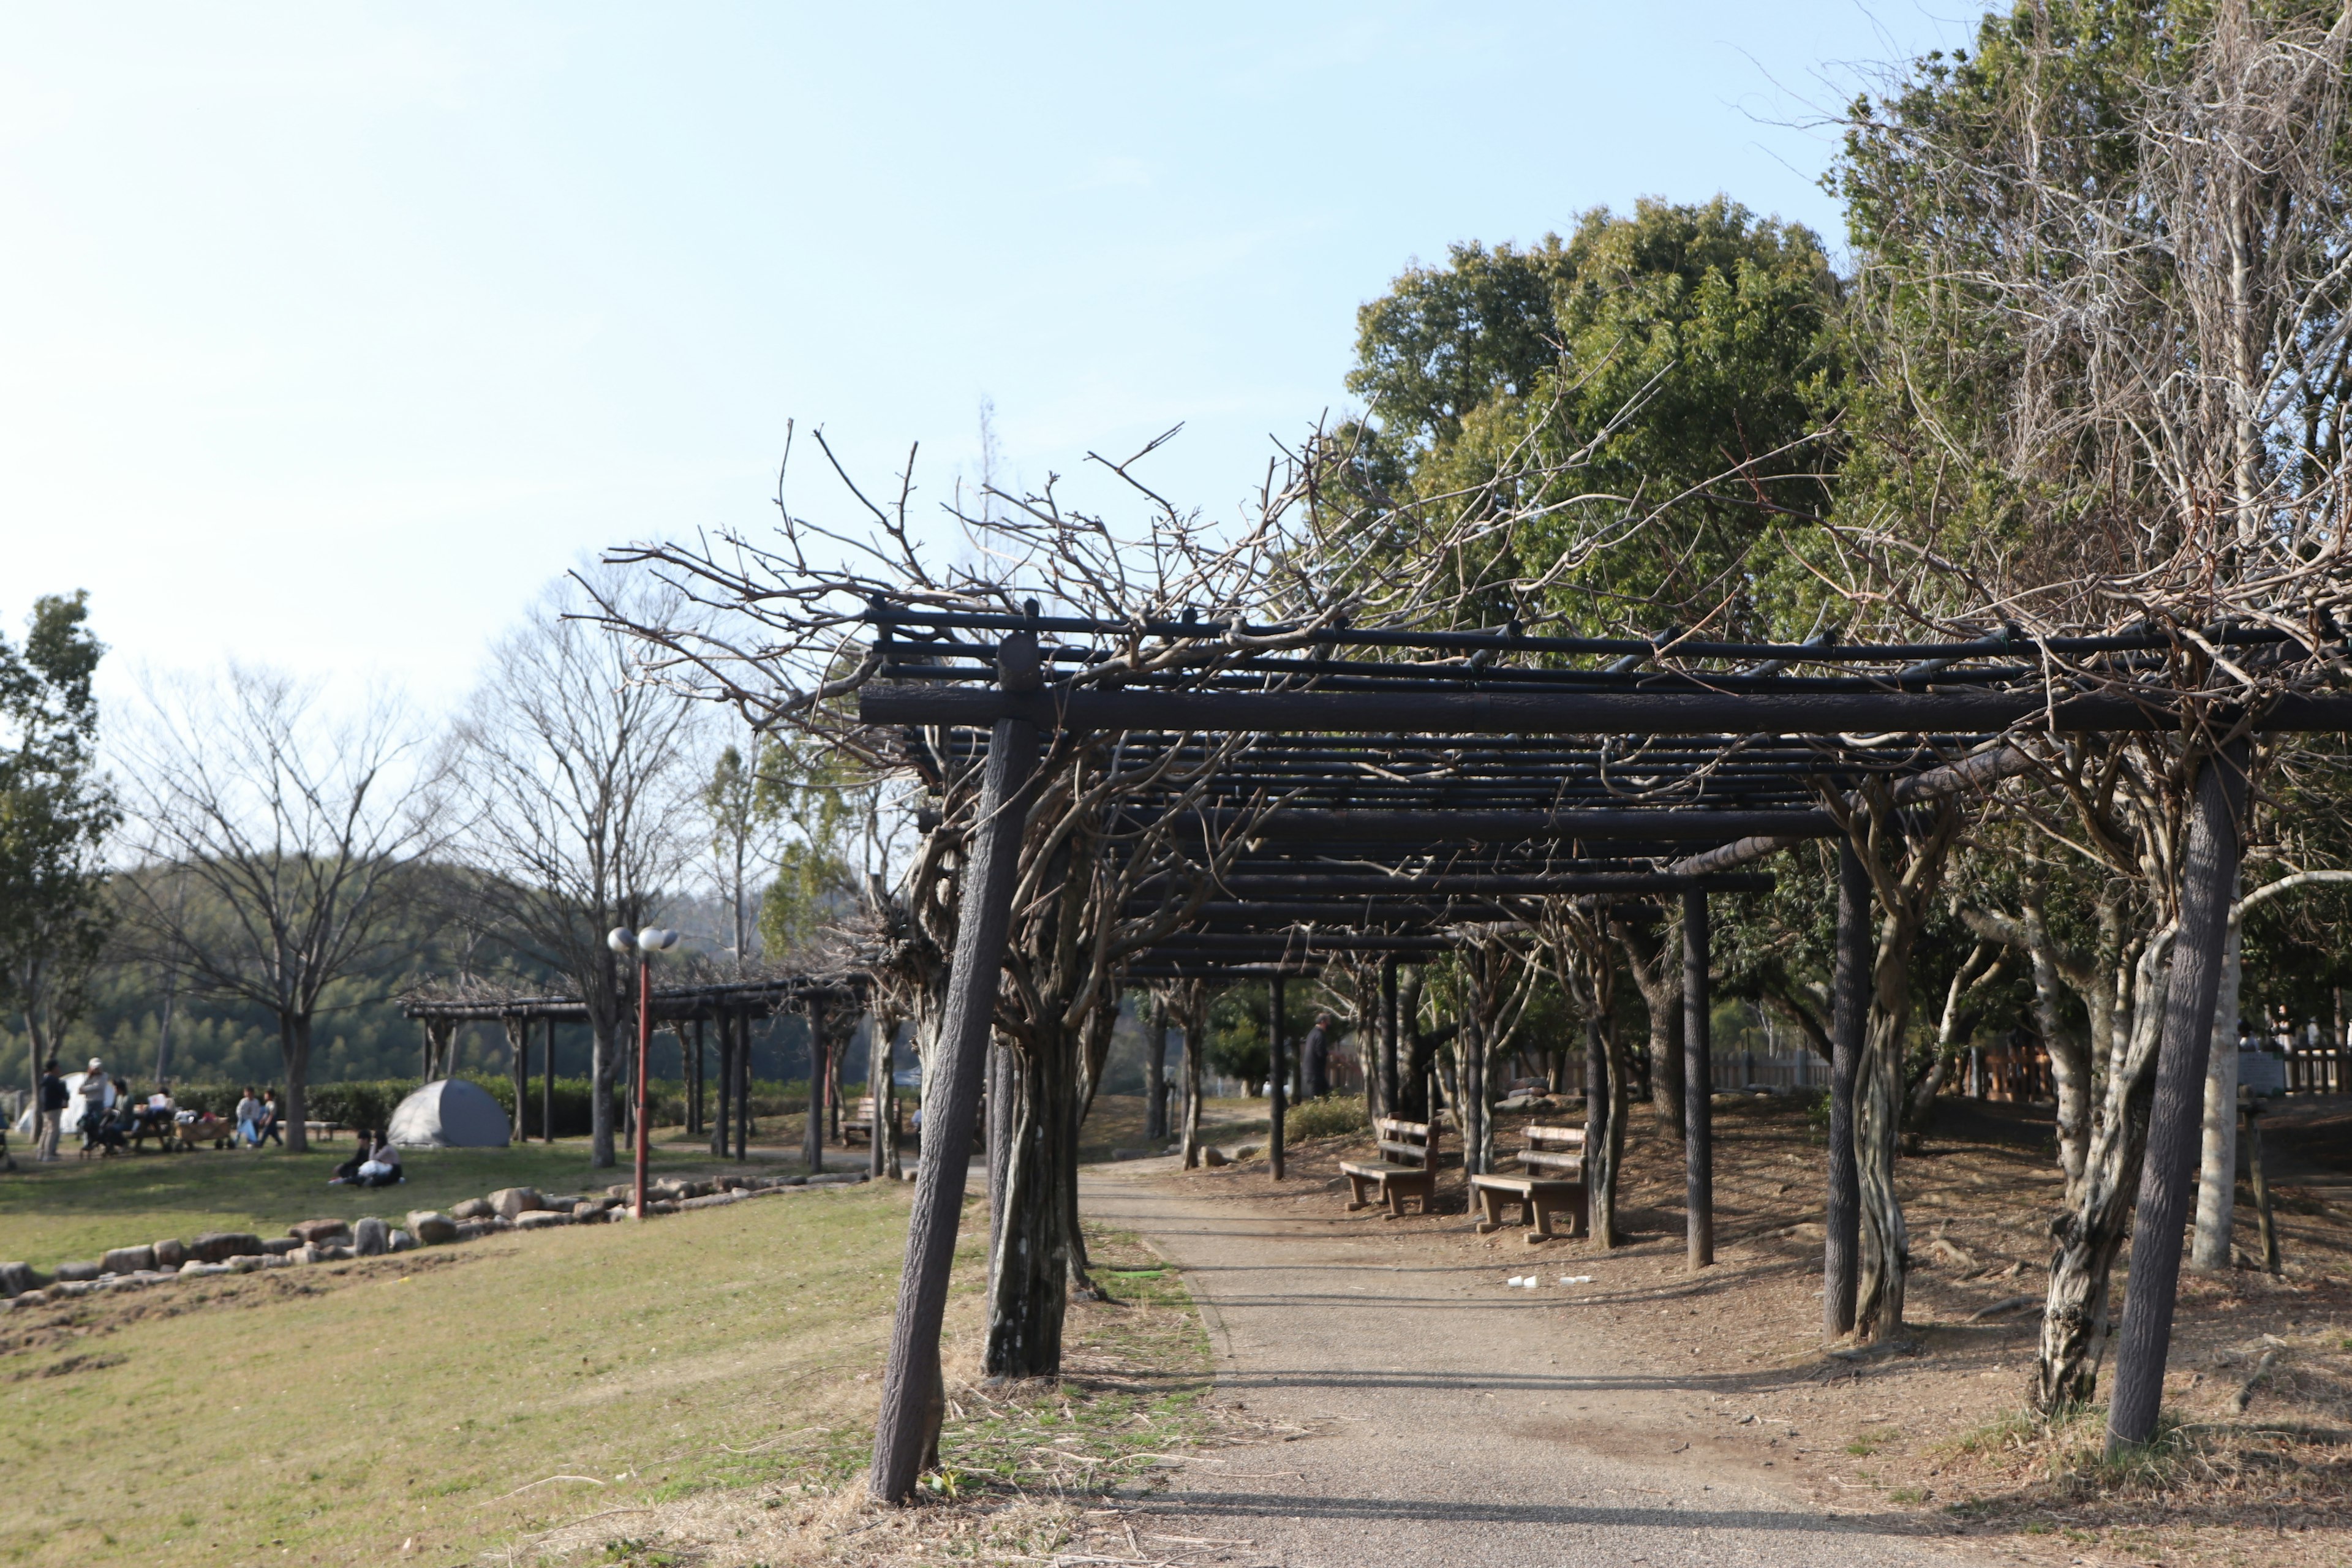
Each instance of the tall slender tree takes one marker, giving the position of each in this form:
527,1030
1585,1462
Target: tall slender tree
571,765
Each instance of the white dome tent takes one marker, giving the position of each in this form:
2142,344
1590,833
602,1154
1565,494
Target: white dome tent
448,1113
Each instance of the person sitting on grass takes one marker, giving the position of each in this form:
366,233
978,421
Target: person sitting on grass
373,1165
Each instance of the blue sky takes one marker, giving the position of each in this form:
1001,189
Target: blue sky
328,334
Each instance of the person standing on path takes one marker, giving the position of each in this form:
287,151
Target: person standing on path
53,1103
269,1121
1314,1060
248,1119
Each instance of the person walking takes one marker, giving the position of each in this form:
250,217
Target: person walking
270,1121
248,1119
53,1103
97,1100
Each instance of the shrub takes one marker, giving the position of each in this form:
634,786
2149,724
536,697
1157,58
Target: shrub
1329,1117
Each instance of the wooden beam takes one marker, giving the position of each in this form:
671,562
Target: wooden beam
1576,713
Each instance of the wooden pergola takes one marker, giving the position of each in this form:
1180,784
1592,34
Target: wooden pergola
1396,784
732,1005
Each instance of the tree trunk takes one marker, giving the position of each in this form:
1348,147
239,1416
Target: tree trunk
1155,1076
1877,1143
820,1077
599,1088
721,1127
1193,1045
878,1069
294,1037
1661,997
1699,1083
1029,1266
744,1087
2208,882
1607,1102
518,1054
1003,1097
1278,1076
1389,1081
1850,1003
2217,1174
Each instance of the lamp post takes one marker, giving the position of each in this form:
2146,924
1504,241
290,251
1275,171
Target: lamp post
644,944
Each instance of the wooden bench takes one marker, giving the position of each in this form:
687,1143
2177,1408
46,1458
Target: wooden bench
859,1123
1552,1185
1408,1168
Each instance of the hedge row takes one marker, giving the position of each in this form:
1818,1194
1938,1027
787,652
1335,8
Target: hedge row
370,1103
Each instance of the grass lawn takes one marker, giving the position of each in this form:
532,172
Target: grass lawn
77,1209
329,1413
707,1381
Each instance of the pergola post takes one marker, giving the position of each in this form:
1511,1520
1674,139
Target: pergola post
812,1136
694,1082
907,1426
2208,880
1698,1086
547,1090
1849,1003
1278,1076
1388,1036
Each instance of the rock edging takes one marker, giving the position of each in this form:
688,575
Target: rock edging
337,1240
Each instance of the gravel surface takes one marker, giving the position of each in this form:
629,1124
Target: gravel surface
1447,1418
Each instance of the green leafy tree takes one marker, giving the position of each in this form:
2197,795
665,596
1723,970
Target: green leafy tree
1645,396
57,811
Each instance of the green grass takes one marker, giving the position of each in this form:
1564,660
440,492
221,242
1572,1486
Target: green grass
77,1209
329,1414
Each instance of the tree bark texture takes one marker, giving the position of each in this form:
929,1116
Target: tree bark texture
518,1059
1849,1008
2217,1173
1278,1076
722,1124
1607,1102
744,1087
1698,1088
820,1077
880,1066
1661,997
2209,885
1155,1076
1387,1037
907,1429
1029,1267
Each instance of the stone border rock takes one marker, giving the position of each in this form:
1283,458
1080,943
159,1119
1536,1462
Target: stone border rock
337,1240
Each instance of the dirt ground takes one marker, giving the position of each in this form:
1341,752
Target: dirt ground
1937,1423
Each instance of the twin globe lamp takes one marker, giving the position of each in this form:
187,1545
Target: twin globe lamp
644,944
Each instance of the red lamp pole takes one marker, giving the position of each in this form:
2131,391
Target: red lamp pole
644,1046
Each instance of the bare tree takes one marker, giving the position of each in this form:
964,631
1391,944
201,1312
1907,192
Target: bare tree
280,846
573,775
2122,275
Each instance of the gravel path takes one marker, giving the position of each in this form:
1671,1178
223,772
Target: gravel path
1452,1421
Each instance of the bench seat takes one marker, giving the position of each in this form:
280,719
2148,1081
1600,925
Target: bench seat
1539,1198
1412,1174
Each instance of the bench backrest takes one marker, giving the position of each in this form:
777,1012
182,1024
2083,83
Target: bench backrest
1408,1142
863,1110
1554,1140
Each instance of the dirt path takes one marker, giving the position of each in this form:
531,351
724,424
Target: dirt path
1450,1420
